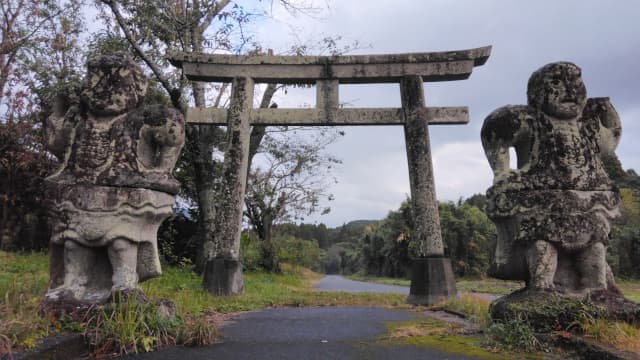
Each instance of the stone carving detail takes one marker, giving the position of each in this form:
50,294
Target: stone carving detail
114,186
553,212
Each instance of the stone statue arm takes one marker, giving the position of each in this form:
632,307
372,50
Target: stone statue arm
161,137
600,113
506,127
60,128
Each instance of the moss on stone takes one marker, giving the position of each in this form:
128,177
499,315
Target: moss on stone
545,311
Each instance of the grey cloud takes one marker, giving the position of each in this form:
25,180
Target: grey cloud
601,37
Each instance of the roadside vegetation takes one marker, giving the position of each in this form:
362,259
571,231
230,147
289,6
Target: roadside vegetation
129,326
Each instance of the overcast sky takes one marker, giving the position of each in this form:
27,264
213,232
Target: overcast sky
602,37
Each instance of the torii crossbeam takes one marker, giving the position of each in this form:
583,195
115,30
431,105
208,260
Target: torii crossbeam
432,277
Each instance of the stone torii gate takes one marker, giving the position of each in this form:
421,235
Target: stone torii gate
432,276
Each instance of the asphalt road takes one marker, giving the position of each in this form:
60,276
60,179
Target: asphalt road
306,333
339,283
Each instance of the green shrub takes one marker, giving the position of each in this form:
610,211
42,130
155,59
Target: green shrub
250,251
295,251
176,240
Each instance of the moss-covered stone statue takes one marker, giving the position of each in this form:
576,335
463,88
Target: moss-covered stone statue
114,185
553,212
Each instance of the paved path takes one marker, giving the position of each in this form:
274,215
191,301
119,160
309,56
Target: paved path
339,283
311,333
306,333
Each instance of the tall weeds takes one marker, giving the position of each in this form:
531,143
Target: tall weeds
131,326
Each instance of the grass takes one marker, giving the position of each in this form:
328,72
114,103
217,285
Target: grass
455,338
487,286
23,280
131,327
24,277
380,280
473,307
443,336
619,335
630,289
261,290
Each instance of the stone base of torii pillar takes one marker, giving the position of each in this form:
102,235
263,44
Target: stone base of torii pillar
432,281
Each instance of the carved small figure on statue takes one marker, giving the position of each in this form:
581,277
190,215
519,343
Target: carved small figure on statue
114,186
553,211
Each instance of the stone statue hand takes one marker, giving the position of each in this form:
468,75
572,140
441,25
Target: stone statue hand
161,138
59,127
505,128
601,111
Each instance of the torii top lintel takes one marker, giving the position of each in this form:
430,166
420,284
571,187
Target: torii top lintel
353,69
327,72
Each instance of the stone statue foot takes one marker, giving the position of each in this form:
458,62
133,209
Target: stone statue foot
123,294
57,294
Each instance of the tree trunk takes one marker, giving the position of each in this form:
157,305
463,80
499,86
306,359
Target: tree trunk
203,138
269,255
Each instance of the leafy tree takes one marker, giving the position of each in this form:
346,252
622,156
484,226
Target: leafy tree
477,200
313,232
33,34
38,69
625,236
176,240
386,244
288,184
624,252
296,251
342,258
467,233
23,165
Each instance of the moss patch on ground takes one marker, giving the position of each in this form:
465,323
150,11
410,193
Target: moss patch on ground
444,337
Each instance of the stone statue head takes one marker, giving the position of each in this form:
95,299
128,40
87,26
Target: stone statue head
557,90
114,84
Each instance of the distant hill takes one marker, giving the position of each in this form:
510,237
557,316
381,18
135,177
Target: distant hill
356,224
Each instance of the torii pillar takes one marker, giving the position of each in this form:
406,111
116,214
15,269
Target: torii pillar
432,277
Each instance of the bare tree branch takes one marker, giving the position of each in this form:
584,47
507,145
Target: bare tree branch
211,14
174,93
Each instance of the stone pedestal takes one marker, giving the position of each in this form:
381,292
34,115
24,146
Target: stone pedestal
223,277
432,281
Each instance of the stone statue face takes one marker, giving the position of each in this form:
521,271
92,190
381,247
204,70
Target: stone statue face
114,85
557,89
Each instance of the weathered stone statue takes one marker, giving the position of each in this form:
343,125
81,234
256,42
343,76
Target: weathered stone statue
553,212
114,186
